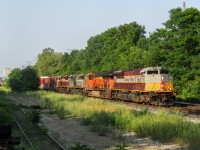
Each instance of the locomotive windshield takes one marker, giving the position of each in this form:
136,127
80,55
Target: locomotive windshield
152,71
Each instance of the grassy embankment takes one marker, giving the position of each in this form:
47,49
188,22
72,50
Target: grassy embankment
6,107
102,116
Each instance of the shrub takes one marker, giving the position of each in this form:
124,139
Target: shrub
33,116
61,112
121,146
104,118
23,80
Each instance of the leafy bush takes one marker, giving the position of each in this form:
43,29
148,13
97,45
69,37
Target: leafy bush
23,80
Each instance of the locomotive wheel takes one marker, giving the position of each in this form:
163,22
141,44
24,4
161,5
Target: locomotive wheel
155,101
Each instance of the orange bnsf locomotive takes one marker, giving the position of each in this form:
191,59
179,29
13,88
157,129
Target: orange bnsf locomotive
148,85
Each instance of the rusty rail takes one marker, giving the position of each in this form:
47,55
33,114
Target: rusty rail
34,134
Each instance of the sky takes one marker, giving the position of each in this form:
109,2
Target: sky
29,26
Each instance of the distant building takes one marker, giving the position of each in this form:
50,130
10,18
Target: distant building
6,72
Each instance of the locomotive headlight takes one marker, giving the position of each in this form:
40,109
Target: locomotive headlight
162,78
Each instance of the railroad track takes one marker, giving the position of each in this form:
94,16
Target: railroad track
186,108
34,135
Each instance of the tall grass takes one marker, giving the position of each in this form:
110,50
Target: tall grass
102,115
168,127
5,108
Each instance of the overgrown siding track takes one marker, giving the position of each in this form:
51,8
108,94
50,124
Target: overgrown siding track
33,134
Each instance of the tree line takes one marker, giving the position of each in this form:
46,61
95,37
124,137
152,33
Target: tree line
176,46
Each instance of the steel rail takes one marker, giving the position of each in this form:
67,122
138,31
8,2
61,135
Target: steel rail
50,137
22,130
61,147
53,139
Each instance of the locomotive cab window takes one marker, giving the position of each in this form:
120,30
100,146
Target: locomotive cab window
152,71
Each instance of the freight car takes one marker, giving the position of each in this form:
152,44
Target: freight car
148,85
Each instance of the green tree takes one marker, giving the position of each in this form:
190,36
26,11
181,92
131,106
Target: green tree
110,49
177,46
22,80
49,63
30,79
14,80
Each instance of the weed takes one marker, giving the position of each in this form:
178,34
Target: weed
103,117
100,129
121,146
78,146
44,129
86,121
141,112
55,135
60,110
103,130
33,116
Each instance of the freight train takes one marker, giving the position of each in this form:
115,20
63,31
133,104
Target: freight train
152,85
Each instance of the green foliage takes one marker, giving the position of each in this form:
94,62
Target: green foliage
15,81
104,118
141,112
49,63
123,119
121,146
102,130
5,117
101,53
5,108
168,127
111,49
33,116
86,121
191,90
23,80
60,110
78,146
44,129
